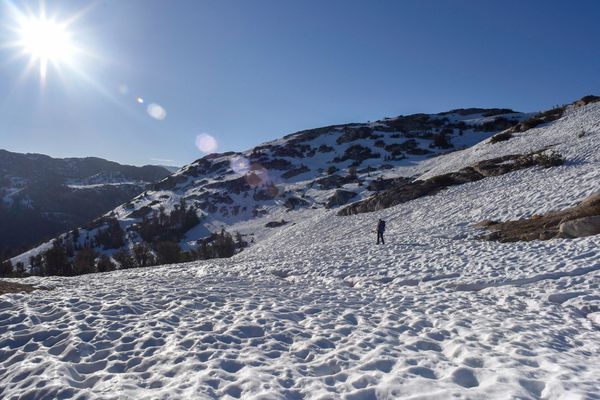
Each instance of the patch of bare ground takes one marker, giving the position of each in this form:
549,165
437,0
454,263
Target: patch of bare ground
579,221
12,287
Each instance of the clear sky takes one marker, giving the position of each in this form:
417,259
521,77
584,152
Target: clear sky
248,71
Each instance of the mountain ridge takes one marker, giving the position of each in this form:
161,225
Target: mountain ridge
56,194
323,167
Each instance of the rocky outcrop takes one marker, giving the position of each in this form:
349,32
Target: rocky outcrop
385,184
581,227
276,224
339,198
293,203
579,221
405,191
12,287
333,181
295,172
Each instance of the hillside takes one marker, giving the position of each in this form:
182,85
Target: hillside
316,310
251,193
55,195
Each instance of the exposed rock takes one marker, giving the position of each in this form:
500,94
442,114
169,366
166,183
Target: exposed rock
485,223
385,184
277,163
592,201
140,213
292,203
12,287
501,137
581,220
266,193
325,149
333,181
276,224
406,191
586,100
586,226
350,135
340,197
357,153
295,171
236,186
169,183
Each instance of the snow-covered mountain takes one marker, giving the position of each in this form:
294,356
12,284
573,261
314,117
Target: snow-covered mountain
59,194
285,180
316,310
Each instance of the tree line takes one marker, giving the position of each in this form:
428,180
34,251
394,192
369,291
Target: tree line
161,233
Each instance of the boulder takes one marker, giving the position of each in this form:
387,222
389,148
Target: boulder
275,224
592,201
292,203
340,197
581,227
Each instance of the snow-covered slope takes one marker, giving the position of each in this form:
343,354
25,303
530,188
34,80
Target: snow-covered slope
316,310
290,178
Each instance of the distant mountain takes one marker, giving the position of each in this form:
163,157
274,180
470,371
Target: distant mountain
41,196
280,182
170,168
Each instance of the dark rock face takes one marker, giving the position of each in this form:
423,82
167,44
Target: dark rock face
295,172
333,181
340,197
277,163
404,191
275,224
351,135
385,184
169,183
579,221
267,193
293,203
409,146
357,153
236,186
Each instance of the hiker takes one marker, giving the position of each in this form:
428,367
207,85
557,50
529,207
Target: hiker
380,230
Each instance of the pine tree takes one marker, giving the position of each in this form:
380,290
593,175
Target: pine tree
20,269
105,264
168,252
143,255
85,261
124,259
55,260
6,268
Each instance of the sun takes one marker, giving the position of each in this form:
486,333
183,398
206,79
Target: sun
44,40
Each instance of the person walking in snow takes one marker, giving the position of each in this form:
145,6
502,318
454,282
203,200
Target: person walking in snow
380,230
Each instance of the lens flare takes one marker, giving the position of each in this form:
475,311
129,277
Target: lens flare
206,143
240,164
139,100
123,89
156,111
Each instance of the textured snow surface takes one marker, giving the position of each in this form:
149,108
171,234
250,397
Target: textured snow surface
318,311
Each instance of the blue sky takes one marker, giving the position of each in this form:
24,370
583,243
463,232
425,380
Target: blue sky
249,71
